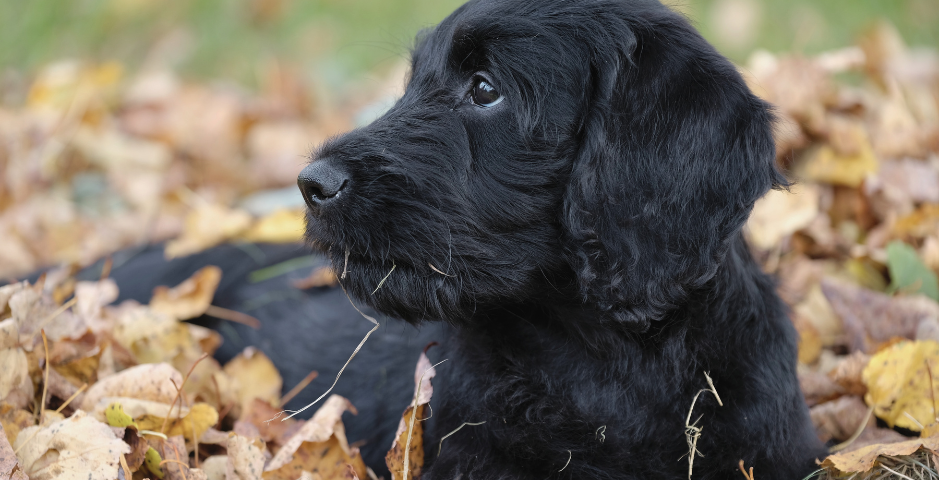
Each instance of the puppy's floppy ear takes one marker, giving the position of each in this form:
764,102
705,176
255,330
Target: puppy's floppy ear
674,152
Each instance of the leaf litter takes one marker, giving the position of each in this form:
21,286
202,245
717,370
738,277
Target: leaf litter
96,159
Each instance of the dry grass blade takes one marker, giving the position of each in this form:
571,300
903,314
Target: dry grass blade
382,282
233,316
69,400
692,430
299,387
45,381
179,390
294,413
457,429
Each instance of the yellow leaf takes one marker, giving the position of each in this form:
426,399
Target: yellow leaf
201,416
782,213
899,386
846,166
189,299
116,417
256,377
207,226
862,459
282,226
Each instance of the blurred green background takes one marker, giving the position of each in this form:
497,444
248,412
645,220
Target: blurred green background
338,40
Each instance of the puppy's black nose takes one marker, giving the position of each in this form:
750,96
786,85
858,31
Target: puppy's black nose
322,181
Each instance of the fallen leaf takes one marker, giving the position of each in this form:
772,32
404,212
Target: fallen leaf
409,439
9,333
319,447
189,299
817,387
138,449
78,448
255,376
871,318
154,382
908,274
899,385
810,343
207,226
281,226
780,213
16,387
824,164
839,419
9,466
192,424
152,460
849,373
259,413
245,459
174,449
14,420
862,460
90,298
215,467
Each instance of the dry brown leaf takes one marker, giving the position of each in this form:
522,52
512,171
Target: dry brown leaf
281,226
871,318
259,413
818,311
78,448
9,465
174,449
862,460
9,333
780,213
90,298
900,385
189,299
245,459
410,435
255,376
16,387
207,226
319,447
138,449
154,382
14,420
34,311
839,419
848,373
817,387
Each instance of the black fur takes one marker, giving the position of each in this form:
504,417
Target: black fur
581,238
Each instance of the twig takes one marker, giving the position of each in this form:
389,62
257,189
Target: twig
233,316
106,267
69,400
748,476
894,472
179,390
299,387
45,382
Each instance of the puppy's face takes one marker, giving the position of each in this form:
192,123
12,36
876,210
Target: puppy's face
593,151
458,187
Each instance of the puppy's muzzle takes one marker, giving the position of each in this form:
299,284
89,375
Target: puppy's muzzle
321,182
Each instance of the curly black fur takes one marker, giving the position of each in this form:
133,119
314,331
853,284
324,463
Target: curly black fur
582,238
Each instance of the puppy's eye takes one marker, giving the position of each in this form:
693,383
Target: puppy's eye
484,94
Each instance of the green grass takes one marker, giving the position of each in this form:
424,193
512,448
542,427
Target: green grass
336,40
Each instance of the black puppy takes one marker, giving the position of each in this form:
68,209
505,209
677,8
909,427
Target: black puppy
564,184
558,199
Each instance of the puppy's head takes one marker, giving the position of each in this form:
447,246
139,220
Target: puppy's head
598,152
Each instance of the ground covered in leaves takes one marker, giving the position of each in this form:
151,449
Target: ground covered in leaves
96,160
